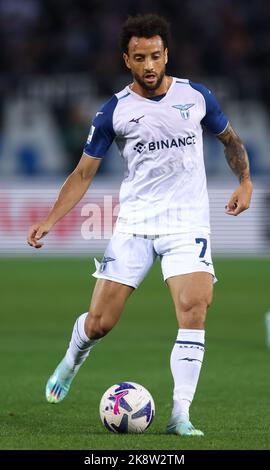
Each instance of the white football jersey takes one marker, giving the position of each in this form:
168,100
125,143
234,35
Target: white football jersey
164,187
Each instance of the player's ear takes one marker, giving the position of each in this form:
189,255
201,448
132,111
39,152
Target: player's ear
166,55
126,60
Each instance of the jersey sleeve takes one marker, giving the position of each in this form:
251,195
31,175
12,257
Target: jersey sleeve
101,133
214,119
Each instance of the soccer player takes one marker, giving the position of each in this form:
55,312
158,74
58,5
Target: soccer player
157,123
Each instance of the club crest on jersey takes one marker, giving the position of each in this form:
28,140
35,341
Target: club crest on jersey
184,109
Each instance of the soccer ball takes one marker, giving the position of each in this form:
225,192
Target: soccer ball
127,407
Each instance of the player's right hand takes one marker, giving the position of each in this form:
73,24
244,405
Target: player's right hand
36,232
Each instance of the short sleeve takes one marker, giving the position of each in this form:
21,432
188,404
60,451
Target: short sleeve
214,119
101,133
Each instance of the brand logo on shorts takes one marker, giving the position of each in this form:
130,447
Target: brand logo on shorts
206,262
104,262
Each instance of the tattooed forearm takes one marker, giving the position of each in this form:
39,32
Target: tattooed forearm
235,153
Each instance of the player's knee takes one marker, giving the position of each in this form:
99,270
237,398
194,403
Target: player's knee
195,304
193,312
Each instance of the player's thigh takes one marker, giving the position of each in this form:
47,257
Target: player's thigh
124,265
192,294
188,270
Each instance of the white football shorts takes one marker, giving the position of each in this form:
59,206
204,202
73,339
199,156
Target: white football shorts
128,257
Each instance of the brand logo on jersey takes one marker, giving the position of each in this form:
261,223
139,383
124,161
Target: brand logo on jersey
136,119
92,130
104,262
99,112
184,109
170,143
139,147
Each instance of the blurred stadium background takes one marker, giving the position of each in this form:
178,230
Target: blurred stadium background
59,62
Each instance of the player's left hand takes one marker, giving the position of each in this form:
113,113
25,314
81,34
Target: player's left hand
240,199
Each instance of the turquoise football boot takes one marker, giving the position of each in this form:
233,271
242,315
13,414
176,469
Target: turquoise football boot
182,427
59,383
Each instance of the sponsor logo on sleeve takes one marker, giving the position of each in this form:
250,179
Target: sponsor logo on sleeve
92,130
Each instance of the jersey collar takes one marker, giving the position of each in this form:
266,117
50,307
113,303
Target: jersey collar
128,89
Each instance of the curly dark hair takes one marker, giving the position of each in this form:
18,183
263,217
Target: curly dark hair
144,26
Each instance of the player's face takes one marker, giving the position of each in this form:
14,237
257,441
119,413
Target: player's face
147,61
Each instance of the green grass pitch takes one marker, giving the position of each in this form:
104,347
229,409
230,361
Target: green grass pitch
40,299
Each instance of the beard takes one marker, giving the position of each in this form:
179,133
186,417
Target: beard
149,86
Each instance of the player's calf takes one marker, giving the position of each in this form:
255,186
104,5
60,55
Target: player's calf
98,326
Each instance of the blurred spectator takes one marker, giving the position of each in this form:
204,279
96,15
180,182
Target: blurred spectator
54,39
228,37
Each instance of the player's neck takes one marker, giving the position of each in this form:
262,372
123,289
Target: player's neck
161,90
